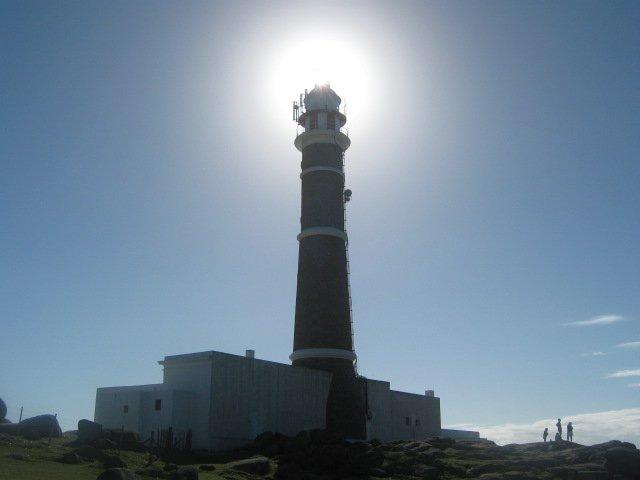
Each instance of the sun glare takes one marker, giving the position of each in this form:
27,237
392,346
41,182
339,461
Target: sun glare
324,60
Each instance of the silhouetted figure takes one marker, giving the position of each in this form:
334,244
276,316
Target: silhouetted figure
545,434
558,437
559,425
570,432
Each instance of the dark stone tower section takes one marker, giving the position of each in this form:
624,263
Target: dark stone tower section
323,337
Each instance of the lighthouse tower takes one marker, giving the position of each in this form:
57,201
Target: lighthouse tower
323,337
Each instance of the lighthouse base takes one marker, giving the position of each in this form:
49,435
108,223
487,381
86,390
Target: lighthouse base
346,405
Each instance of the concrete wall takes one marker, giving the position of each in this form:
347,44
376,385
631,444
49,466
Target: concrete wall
142,416
192,373
251,396
397,415
110,403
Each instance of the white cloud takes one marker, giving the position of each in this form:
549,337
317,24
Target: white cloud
600,320
593,354
629,345
624,374
634,385
588,428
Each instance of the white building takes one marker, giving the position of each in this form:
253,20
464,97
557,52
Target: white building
227,400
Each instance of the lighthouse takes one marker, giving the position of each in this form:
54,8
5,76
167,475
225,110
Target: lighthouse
223,401
323,336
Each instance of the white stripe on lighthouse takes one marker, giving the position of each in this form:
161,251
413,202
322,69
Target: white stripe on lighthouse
322,353
322,169
330,231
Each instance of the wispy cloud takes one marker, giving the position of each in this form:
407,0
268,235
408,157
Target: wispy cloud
589,428
629,345
634,385
600,320
593,354
624,374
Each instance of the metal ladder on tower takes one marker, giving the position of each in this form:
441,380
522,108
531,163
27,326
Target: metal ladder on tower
344,206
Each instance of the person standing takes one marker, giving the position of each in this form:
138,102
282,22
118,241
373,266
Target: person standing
559,426
570,432
545,434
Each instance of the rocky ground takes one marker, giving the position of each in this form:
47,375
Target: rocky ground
313,456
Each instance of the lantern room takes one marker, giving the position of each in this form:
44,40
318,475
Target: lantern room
322,110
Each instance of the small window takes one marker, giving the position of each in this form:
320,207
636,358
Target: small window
407,421
417,422
313,120
158,404
125,409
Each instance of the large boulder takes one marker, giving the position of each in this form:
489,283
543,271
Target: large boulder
41,426
117,474
89,431
3,410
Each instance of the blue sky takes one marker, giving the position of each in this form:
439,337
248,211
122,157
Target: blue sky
150,196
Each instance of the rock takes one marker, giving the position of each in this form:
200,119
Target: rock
90,453
185,473
70,458
255,465
89,431
592,475
425,471
152,471
622,461
518,475
117,474
569,472
455,470
207,468
493,467
35,428
113,461
431,455
492,476
3,410
104,444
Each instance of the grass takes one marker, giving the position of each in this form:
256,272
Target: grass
22,459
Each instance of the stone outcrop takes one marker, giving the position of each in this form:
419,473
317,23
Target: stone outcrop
319,455
89,431
34,428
